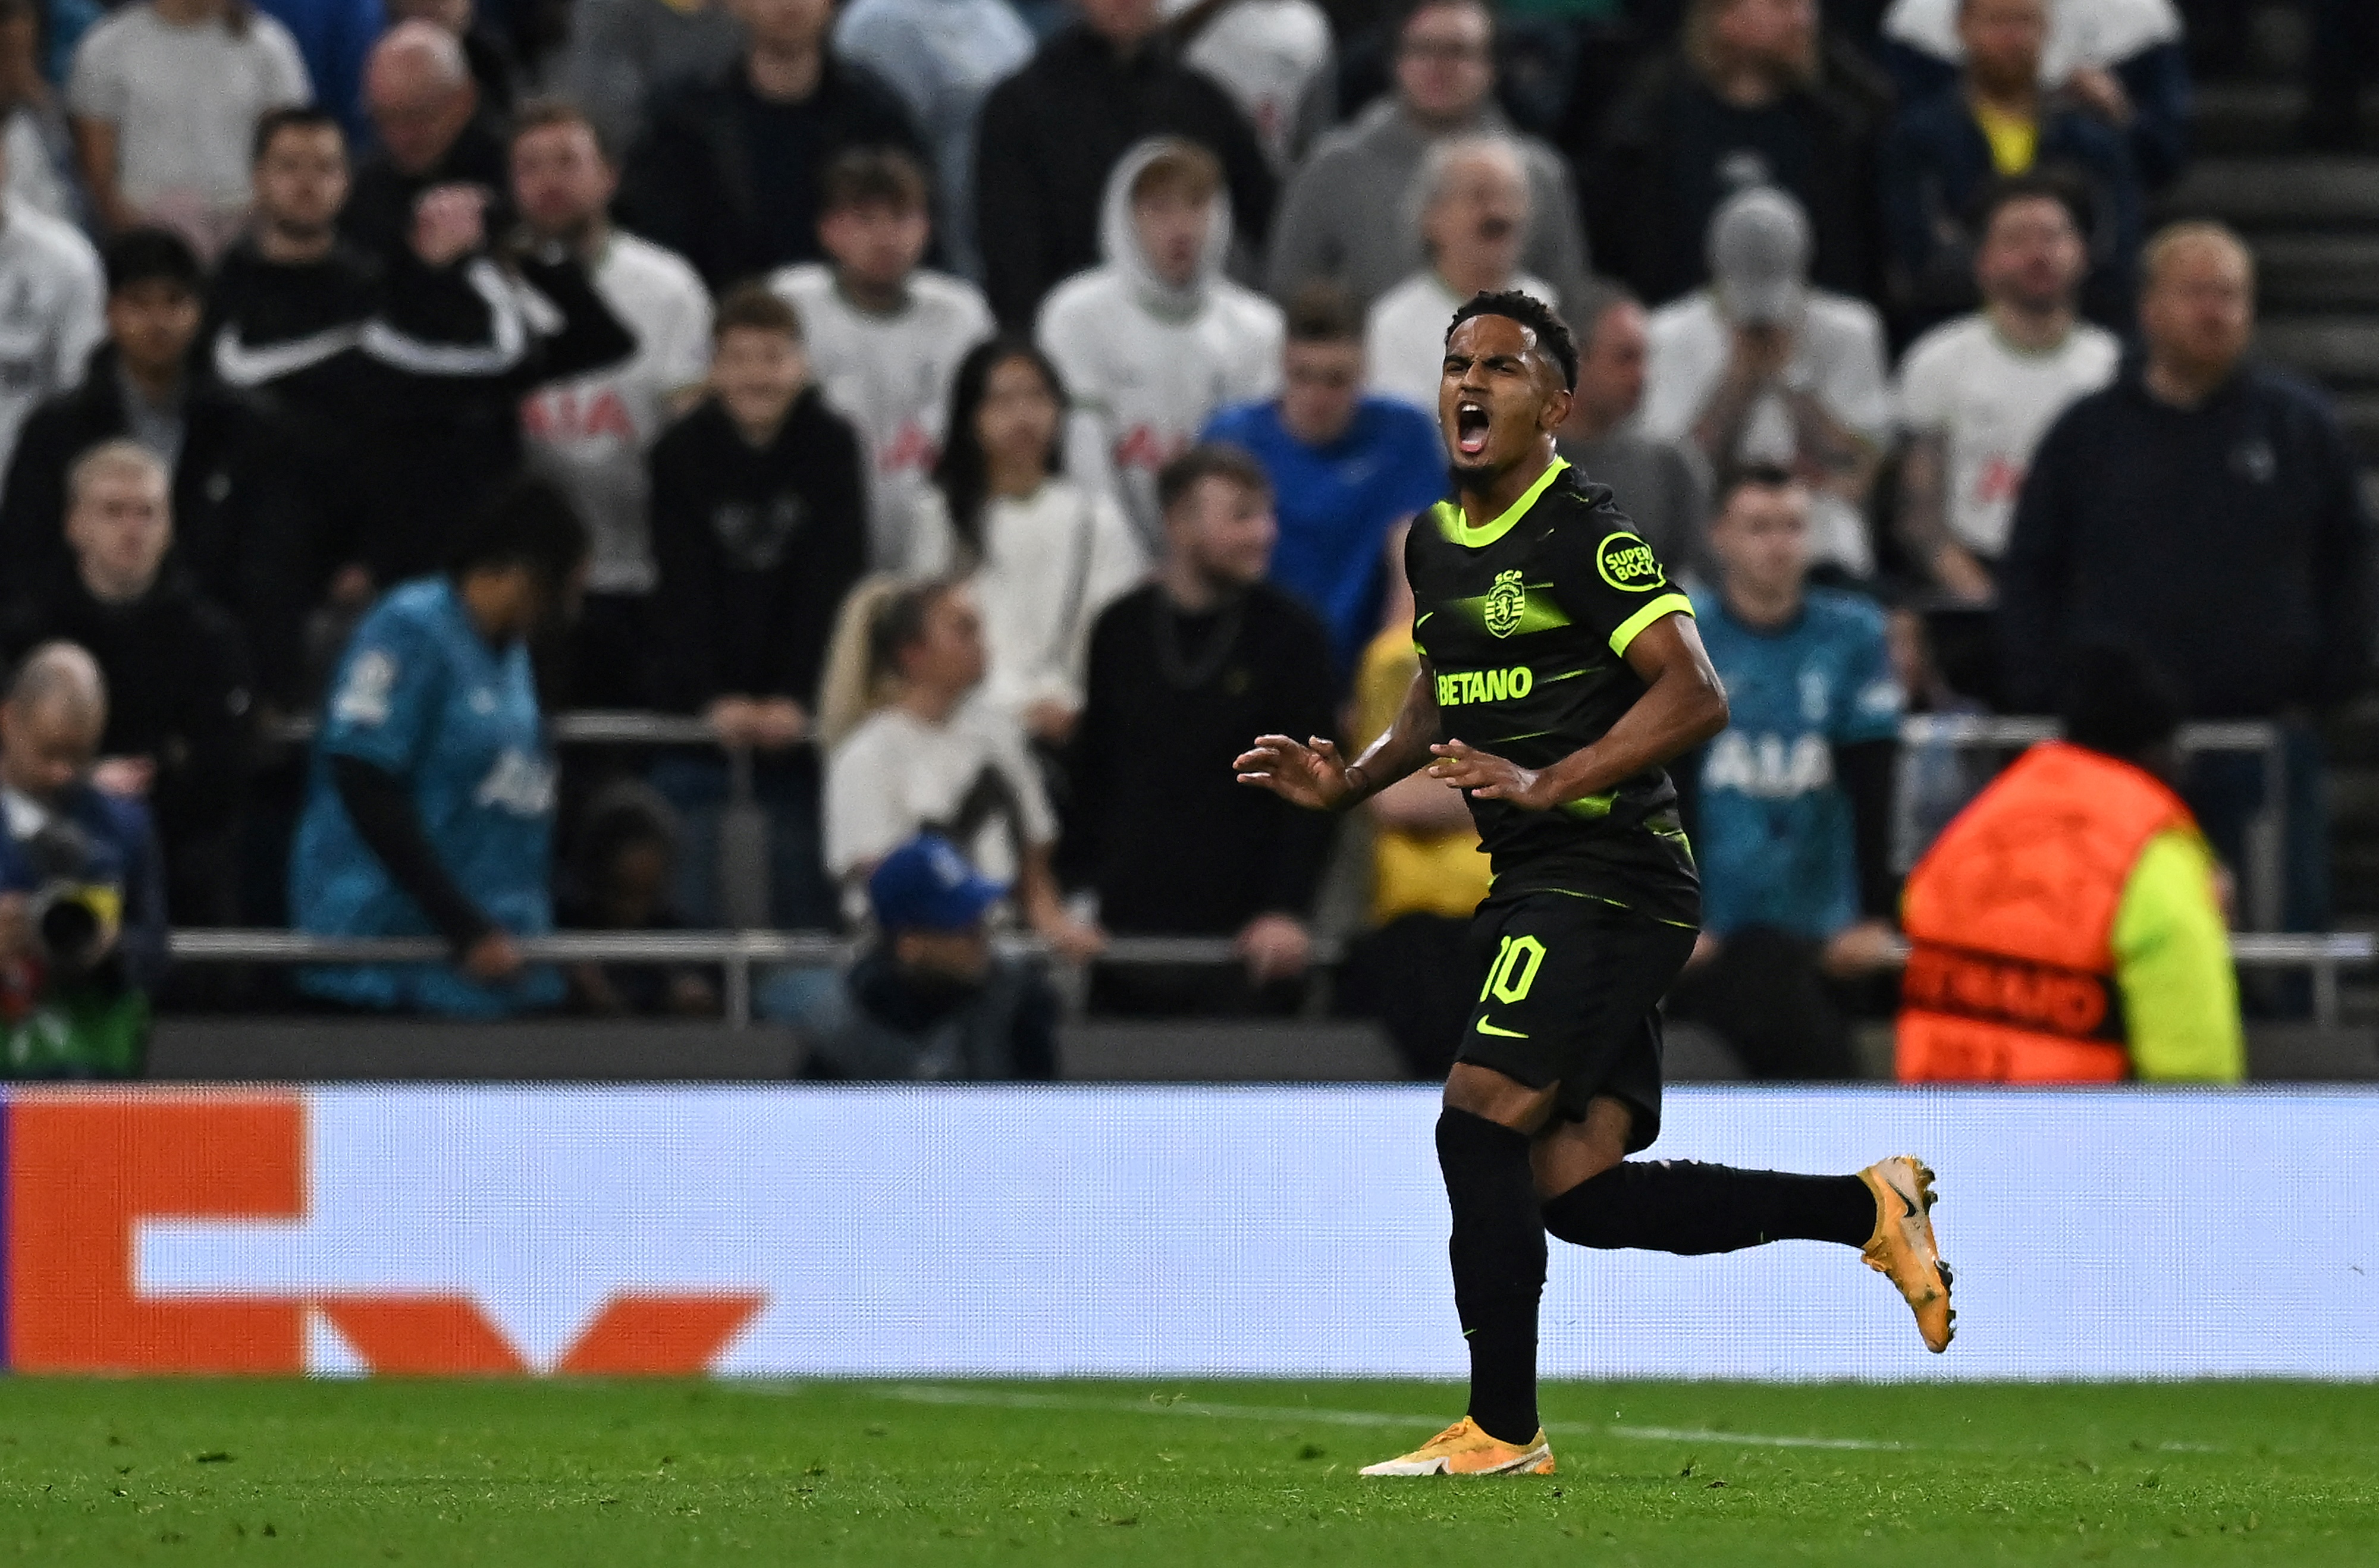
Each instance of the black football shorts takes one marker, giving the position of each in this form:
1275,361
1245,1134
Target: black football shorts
1569,993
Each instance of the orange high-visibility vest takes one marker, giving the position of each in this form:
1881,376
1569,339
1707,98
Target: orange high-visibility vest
2010,918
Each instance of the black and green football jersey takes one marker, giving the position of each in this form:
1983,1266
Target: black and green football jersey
1523,622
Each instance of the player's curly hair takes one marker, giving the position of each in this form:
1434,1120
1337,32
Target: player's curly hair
1552,332
528,522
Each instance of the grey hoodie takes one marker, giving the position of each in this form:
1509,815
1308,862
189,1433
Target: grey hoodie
1344,215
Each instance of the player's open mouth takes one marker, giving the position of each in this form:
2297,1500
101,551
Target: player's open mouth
1470,428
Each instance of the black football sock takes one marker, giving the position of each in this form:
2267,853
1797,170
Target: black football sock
1687,1207
1498,1252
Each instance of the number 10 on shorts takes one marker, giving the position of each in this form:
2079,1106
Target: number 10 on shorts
1514,969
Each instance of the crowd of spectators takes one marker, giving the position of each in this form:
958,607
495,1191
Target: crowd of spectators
985,418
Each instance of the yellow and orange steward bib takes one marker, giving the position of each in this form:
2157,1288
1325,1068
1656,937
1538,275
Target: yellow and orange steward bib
2010,918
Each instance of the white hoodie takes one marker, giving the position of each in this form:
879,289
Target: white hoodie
2081,33
52,293
1146,363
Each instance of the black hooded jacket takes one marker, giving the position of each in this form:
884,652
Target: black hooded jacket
729,181
241,516
1050,133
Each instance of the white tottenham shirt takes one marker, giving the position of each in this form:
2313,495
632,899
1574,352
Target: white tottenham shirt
1270,56
890,376
898,775
1837,355
1403,336
1050,562
590,433
1145,384
1990,403
51,297
2081,33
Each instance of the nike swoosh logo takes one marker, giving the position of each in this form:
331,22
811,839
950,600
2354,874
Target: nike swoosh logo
241,365
1486,1028
1907,1204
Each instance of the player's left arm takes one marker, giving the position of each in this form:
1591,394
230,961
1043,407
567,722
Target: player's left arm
1684,704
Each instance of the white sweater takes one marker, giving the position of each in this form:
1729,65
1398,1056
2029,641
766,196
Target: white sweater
1050,564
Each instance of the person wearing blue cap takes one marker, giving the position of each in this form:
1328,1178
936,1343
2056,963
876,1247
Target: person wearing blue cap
928,998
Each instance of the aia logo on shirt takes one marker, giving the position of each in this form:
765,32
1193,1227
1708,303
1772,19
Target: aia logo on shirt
561,415
1999,479
1144,447
910,449
1769,767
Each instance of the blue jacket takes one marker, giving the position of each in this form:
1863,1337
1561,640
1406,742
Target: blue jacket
1936,161
335,37
123,855
2226,542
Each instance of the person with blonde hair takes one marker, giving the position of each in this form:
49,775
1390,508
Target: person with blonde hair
926,759
179,730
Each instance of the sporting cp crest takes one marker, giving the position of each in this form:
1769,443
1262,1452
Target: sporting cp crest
1506,602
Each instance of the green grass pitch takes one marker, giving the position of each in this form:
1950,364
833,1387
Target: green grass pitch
1205,1474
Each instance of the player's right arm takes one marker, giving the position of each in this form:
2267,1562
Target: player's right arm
1311,774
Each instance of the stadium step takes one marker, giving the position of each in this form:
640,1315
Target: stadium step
2296,191
2313,222
2318,272
2359,414
2351,735
2342,350
2235,118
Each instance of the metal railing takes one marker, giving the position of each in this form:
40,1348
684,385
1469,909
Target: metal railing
739,953
736,953
2264,876
742,873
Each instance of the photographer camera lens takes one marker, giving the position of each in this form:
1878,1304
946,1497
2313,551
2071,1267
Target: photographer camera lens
72,930
74,921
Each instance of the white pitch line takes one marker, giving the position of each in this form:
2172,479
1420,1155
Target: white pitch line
1004,1399
1757,1440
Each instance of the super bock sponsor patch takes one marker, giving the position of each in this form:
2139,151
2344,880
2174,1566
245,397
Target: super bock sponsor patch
1628,564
